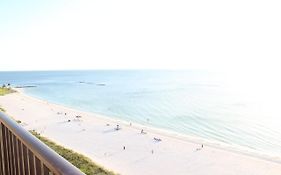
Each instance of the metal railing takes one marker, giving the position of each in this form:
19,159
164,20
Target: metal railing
23,154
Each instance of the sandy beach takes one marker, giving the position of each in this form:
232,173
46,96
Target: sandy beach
128,151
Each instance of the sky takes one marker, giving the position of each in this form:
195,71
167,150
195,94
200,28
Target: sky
240,35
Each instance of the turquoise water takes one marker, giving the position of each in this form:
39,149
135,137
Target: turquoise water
206,104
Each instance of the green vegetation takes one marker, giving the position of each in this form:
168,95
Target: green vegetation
2,109
78,160
5,90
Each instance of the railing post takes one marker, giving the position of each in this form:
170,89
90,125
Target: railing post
2,150
23,159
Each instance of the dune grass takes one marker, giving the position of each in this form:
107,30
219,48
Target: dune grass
2,109
80,161
5,90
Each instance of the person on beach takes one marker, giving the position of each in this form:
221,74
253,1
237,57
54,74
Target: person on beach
157,139
142,132
117,127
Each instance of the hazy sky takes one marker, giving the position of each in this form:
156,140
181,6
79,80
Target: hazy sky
116,34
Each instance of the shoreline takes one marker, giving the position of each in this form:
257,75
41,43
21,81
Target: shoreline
168,133
168,137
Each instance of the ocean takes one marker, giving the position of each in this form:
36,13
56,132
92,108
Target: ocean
210,105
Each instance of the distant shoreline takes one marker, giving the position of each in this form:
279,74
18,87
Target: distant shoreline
26,86
53,124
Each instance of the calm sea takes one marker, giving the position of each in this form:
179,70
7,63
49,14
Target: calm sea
209,105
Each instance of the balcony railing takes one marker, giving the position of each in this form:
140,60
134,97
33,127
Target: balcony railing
23,154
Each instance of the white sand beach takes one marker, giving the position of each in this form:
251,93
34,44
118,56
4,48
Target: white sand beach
94,136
